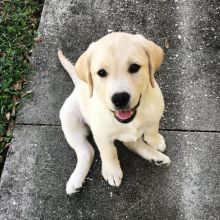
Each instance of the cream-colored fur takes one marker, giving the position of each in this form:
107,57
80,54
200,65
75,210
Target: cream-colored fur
90,104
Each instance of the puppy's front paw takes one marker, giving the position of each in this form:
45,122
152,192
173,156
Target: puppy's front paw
157,142
70,189
161,146
112,173
161,160
73,186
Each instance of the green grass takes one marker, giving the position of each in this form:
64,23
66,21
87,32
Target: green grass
18,24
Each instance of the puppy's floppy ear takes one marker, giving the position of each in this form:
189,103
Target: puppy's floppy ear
83,69
155,55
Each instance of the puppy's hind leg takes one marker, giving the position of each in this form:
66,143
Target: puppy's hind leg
75,132
148,153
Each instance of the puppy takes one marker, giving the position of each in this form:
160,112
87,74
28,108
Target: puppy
117,96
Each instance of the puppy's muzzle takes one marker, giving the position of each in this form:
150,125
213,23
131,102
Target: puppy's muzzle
126,115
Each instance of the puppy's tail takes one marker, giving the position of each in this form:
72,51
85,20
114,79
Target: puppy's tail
68,66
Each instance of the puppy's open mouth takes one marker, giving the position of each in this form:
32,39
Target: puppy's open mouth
125,116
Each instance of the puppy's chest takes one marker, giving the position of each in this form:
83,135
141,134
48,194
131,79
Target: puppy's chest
129,133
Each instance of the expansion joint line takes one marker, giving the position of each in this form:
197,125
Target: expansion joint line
162,129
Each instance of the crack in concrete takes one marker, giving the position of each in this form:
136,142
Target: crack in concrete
162,129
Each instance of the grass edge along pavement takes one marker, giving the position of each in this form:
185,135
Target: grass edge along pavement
19,21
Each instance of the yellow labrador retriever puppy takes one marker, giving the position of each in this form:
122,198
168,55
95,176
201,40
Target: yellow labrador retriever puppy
117,96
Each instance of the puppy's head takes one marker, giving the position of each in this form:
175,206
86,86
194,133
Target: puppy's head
120,67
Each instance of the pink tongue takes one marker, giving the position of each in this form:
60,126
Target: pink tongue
123,115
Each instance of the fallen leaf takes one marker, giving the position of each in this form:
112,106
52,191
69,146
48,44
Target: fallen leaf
28,58
8,115
30,51
27,93
34,20
18,85
7,145
167,45
38,39
16,100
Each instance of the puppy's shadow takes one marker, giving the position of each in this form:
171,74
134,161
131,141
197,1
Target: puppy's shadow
136,170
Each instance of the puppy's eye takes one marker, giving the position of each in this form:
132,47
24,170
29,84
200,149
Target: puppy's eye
134,68
102,73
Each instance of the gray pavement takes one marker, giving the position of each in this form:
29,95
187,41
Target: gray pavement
39,161
34,187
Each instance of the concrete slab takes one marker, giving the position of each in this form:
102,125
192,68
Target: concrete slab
189,77
33,181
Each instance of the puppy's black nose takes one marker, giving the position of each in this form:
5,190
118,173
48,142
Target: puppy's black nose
120,100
